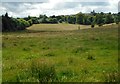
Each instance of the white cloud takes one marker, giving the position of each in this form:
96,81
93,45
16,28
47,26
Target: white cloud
2,9
57,7
119,6
113,5
24,0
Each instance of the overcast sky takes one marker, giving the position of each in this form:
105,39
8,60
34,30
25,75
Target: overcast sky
23,8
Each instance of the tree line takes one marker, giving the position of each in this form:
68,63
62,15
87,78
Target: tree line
14,24
93,18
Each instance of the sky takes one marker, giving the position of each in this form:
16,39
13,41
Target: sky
23,8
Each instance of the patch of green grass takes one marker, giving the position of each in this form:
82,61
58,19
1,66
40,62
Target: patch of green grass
65,56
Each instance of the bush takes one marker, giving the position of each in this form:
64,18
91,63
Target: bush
100,25
117,22
60,21
30,22
92,25
13,24
24,23
52,20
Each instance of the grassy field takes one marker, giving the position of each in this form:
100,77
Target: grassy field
42,54
61,27
57,27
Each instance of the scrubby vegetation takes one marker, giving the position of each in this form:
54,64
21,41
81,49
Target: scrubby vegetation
13,24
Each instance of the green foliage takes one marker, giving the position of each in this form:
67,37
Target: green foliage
71,19
118,16
87,20
79,18
60,21
30,22
13,24
35,20
52,20
109,18
24,23
99,19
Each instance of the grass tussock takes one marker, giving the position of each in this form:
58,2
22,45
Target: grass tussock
111,76
37,71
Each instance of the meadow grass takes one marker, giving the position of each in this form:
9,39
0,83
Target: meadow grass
89,55
56,27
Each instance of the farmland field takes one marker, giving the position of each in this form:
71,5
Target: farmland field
57,27
41,54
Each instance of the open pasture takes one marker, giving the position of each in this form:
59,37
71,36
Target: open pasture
40,55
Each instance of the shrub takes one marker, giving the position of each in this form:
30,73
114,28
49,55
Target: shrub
117,22
60,21
30,22
92,25
100,25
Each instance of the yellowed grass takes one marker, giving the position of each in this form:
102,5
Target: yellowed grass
57,27
64,27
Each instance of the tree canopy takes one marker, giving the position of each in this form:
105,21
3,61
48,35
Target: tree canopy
14,24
